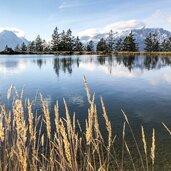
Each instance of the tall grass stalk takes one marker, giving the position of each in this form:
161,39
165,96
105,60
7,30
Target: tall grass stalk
144,145
135,141
168,130
28,140
153,147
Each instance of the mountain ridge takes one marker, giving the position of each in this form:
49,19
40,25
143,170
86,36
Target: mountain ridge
140,35
10,39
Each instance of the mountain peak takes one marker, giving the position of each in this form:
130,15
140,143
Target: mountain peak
10,39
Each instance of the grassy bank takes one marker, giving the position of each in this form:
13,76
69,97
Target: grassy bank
48,53
89,53
142,53
27,141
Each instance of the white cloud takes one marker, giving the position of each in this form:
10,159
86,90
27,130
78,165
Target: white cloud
167,77
48,100
156,78
169,19
16,68
155,18
156,14
119,71
68,5
76,100
89,32
117,27
18,32
124,25
158,19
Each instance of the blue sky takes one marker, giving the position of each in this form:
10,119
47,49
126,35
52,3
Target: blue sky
33,17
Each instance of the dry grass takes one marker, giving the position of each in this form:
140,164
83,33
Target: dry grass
145,145
125,53
28,143
168,130
153,147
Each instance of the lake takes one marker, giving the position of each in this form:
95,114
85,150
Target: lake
139,85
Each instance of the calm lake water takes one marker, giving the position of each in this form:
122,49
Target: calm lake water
139,85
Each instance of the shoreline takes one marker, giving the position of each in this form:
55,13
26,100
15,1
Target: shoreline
89,53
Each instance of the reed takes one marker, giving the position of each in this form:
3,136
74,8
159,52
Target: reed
144,145
1,130
168,130
135,141
28,142
153,147
128,150
47,117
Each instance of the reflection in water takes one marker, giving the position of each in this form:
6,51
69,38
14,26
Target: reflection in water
124,78
139,85
12,66
109,64
39,62
101,60
148,62
66,64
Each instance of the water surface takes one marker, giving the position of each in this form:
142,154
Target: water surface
139,85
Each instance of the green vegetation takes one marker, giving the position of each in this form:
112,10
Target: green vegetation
66,43
152,43
90,46
129,44
27,141
61,42
102,46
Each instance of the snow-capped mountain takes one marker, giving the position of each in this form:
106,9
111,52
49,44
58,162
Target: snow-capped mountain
10,39
140,35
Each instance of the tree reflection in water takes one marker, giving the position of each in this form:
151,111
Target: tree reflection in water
65,64
39,62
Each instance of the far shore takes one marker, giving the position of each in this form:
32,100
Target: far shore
123,53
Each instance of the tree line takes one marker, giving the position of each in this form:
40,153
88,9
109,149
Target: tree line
152,43
65,41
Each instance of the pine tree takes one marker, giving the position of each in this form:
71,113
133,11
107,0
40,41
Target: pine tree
166,45
78,46
39,44
152,43
156,44
62,44
17,48
69,40
90,46
119,45
148,43
101,45
110,41
31,46
129,43
23,47
55,40
6,48
46,46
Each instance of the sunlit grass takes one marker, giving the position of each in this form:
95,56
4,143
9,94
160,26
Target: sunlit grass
124,53
27,141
